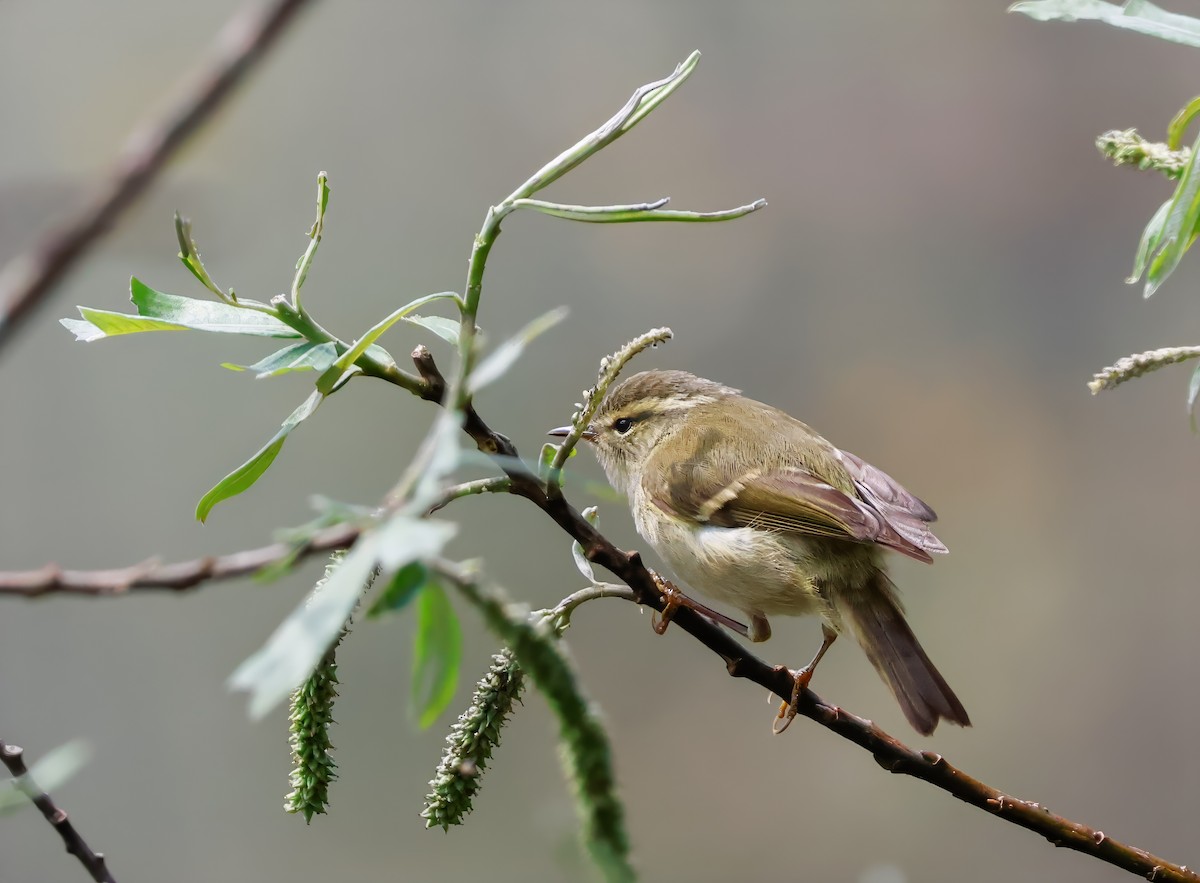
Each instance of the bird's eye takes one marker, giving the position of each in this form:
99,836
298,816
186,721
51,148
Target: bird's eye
622,425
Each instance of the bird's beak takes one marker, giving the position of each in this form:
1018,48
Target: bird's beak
563,431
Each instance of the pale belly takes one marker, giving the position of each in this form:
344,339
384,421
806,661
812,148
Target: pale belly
753,570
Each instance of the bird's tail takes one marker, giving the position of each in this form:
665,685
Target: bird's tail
875,617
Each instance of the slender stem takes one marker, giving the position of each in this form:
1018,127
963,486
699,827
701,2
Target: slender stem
29,278
493,485
13,758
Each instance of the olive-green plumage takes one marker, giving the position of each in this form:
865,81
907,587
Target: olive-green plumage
755,509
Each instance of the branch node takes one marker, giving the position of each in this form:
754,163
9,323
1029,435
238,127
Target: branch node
435,383
932,758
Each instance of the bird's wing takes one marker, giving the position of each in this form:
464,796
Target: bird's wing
795,500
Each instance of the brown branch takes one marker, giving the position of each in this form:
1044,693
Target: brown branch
13,758
28,278
888,751
177,576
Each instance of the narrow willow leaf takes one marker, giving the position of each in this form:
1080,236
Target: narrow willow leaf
1193,392
627,214
447,329
1179,228
590,515
243,478
503,357
1149,241
314,234
402,539
437,652
336,372
190,255
1178,126
52,770
292,652
1135,15
400,590
305,356
168,312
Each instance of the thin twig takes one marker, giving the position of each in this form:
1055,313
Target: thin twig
28,278
888,751
13,758
180,575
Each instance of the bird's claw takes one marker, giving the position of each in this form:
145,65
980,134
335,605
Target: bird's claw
788,710
673,599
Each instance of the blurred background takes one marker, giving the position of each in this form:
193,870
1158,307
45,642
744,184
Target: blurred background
937,276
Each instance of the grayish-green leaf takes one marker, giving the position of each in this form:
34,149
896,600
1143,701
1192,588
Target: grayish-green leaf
503,357
314,234
306,356
625,214
590,514
158,311
190,255
243,478
335,374
1149,241
1179,228
402,539
1177,128
52,770
1135,15
447,329
1193,392
437,652
297,645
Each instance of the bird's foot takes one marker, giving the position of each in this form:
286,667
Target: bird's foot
789,709
673,599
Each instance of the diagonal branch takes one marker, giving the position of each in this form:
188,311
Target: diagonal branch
28,278
888,751
13,758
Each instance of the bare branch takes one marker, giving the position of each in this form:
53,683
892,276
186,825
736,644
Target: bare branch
28,278
888,751
13,758
152,575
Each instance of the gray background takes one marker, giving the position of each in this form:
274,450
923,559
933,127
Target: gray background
938,274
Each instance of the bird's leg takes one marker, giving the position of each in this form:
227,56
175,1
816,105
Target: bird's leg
675,599
801,679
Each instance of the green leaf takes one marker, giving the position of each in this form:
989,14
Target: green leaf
437,652
625,214
1179,227
1193,392
447,329
1178,126
590,515
243,478
168,312
314,234
503,357
190,255
403,538
305,356
401,589
1149,241
52,770
335,374
1135,15
292,652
